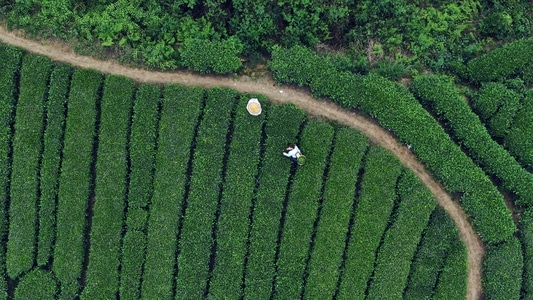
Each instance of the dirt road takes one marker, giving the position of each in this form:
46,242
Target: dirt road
282,94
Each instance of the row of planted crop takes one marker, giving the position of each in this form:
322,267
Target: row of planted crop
237,197
180,111
27,147
395,108
518,140
109,190
10,59
439,93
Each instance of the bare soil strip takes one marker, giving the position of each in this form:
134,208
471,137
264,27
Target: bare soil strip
279,94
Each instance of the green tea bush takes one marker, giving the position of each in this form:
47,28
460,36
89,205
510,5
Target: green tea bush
375,202
75,180
502,270
526,239
196,239
430,258
51,160
206,56
102,279
452,280
301,211
283,123
399,245
27,147
519,141
326,258
439,93
180,111
236,202
502,62
496,105
133,254
37,284
10,59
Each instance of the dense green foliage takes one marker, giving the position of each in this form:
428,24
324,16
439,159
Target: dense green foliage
37,284
439,93
519,141
337,205
27,147
110,190
452,280
502,267
51,160
10,66
75,180
526,238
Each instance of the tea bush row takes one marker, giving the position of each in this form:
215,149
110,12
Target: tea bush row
393,263
142,150
431,256
54,132
283,123
374,207
396,109
502,268
37,284
519,141
75,180
339,195
196,241
452,282
526,239
181,108
301,210
237,197
10,59
502,62
439,93
110,189
27,147
496,106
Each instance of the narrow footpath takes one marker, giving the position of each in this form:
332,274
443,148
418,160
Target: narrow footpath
281,94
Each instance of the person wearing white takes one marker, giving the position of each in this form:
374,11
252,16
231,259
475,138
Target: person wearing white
293,152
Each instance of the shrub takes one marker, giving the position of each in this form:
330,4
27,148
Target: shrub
10,59
502,62
326,257
452,282
401,239
133,255
27,147
502,268
301,210
375,202
37,284
196,239
110,190
237,195
206,56
75,180
282,126
179,115
519,141
439,93
526,239
51,160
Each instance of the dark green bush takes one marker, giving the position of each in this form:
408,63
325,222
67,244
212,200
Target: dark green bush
133,254
503,62
27,148
102,279
502,270
393,263
206,56
37,284
179,115
236,202
10,59
75,180
439,93
326,257
282,127
526,239
301,210
196,238
53,146
453,278
519,141
375,202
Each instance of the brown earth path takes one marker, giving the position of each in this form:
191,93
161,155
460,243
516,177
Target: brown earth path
282,94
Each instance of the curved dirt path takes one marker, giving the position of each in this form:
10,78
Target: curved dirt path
283,94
